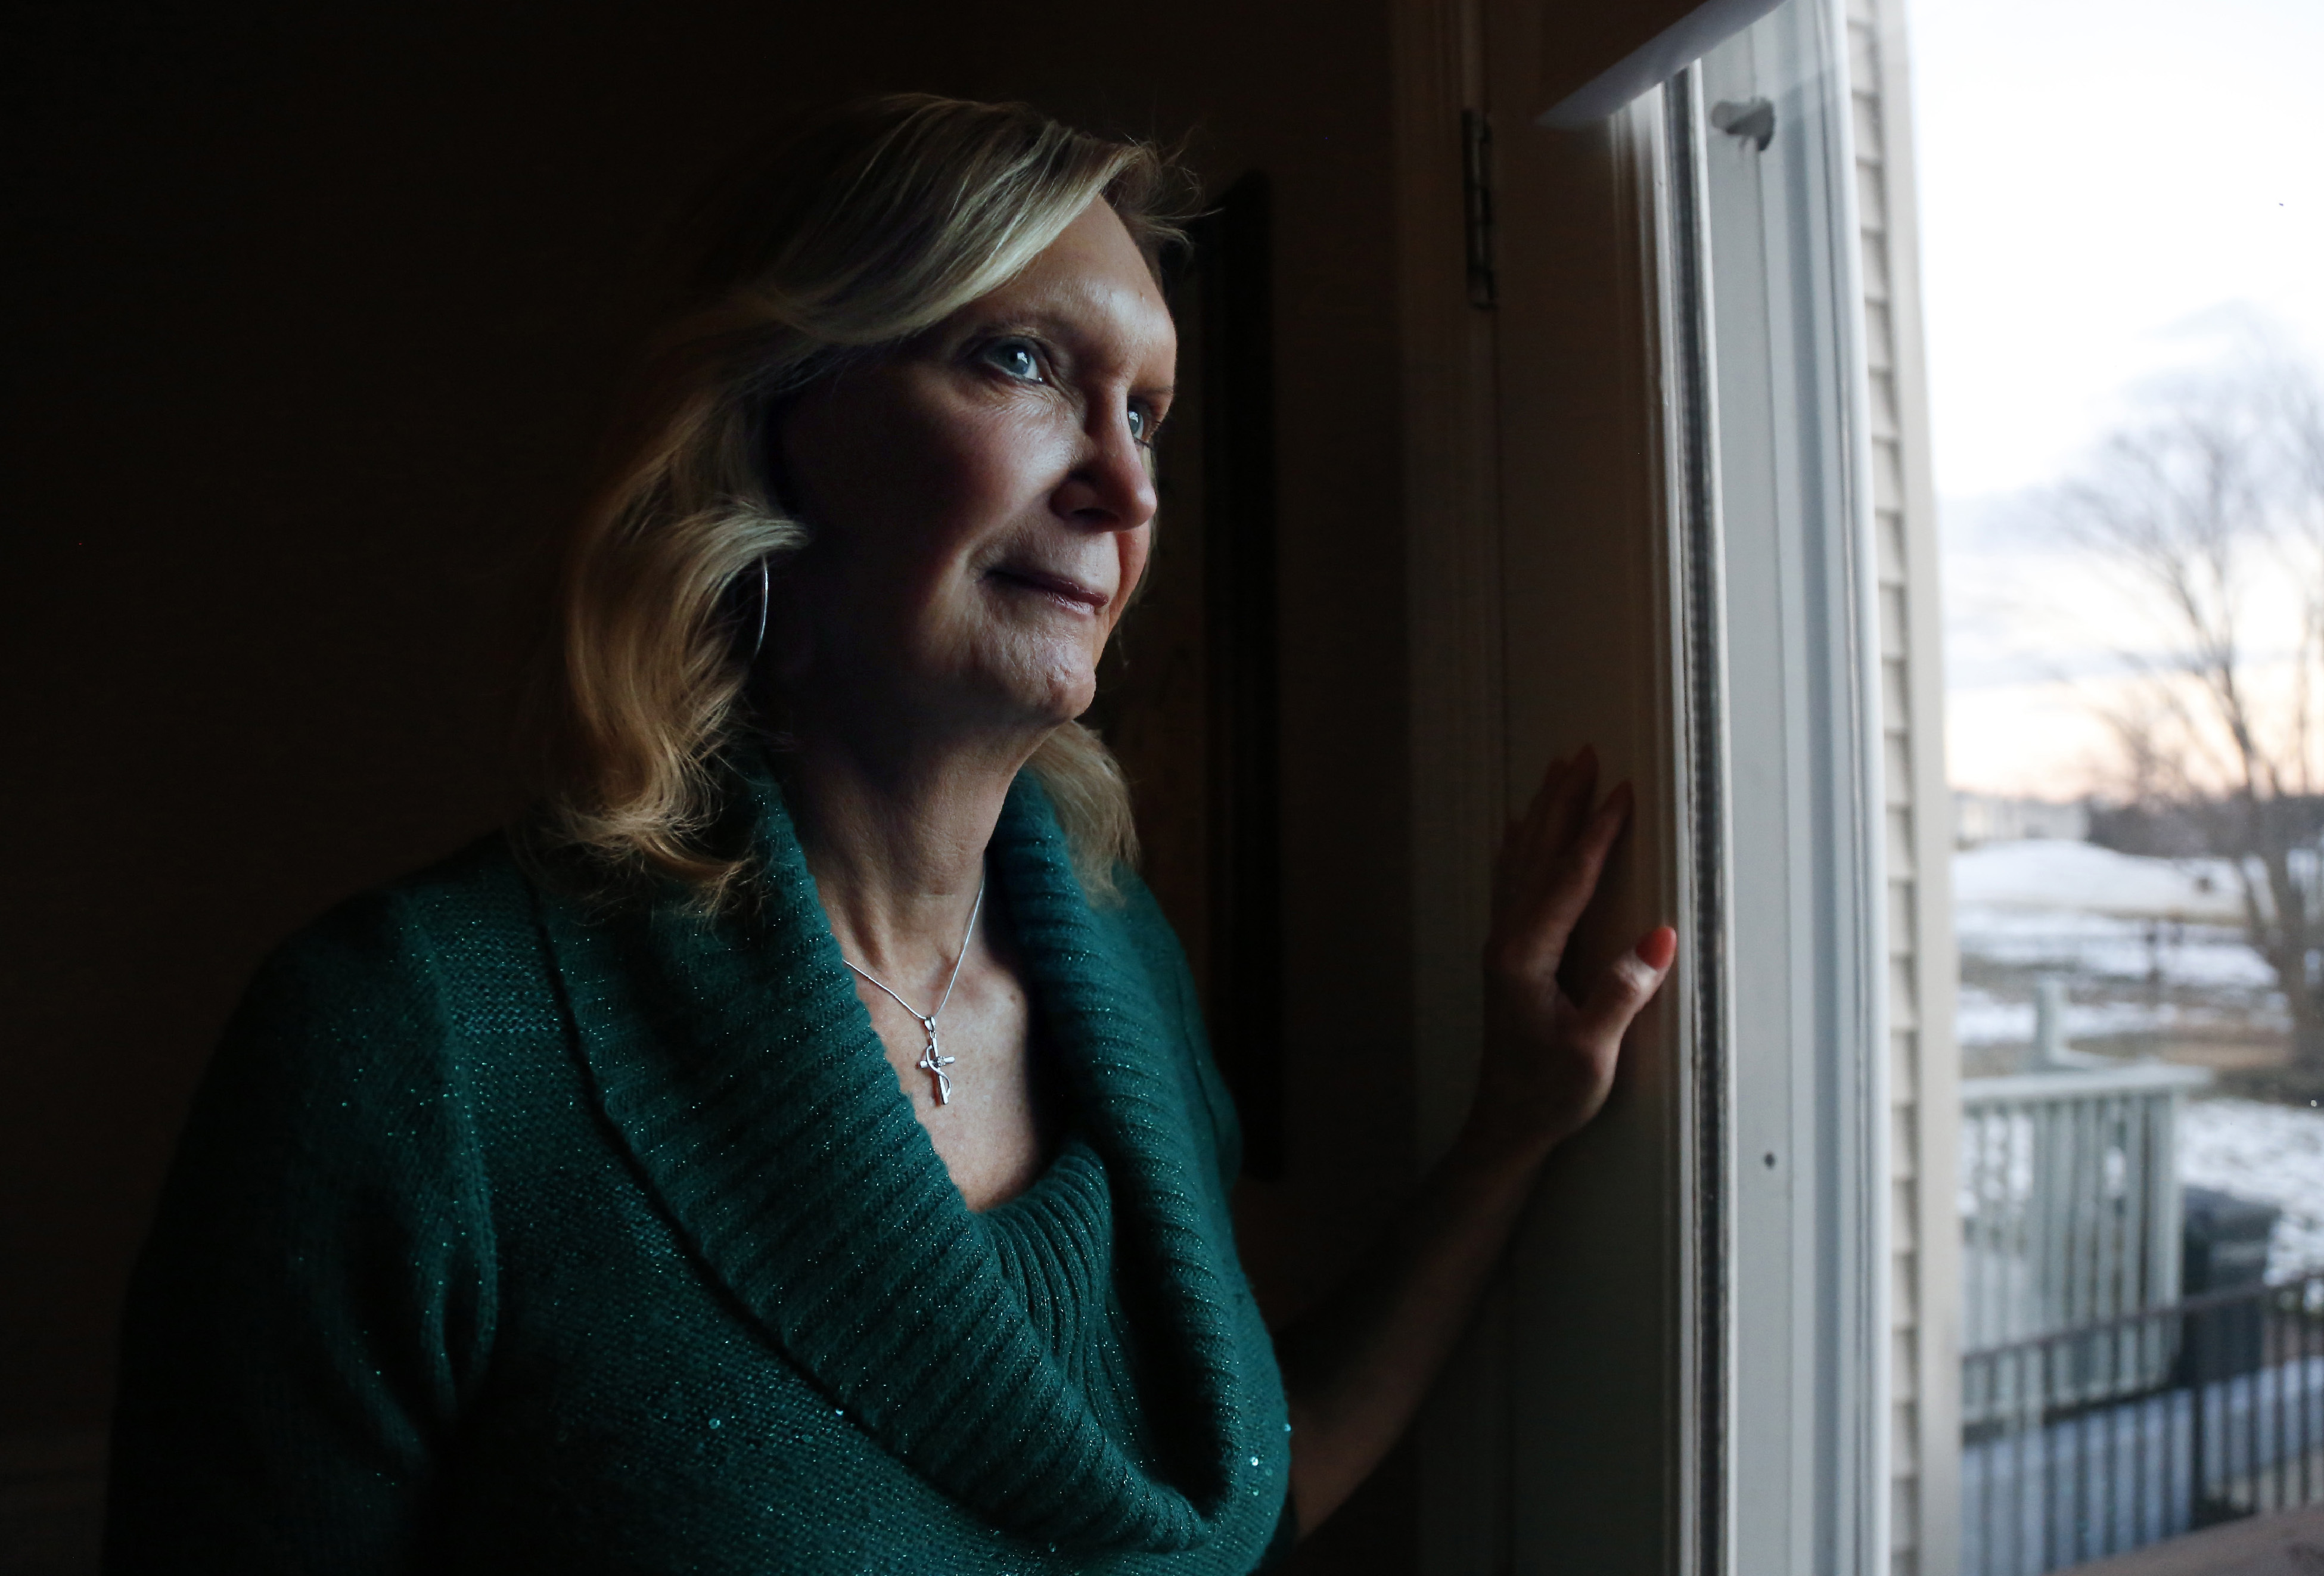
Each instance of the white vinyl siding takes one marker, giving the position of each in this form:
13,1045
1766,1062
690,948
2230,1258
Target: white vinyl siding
1924,1066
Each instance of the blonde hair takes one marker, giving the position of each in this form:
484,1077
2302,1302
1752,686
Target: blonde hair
868,226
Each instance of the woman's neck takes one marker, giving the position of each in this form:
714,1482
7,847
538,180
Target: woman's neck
895,838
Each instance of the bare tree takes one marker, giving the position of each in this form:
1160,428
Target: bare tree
2208,506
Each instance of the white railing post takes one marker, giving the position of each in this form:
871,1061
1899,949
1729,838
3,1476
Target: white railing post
2071,1199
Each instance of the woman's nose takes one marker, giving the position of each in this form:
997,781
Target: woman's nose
1113,486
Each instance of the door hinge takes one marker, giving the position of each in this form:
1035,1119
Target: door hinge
1477,204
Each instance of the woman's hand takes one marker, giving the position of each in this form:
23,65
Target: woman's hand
1549,1059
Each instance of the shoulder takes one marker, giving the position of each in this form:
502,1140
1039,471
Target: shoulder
394,935
338,1113
321,1265
391,974
480,886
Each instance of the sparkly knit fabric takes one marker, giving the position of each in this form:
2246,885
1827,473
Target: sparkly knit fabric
511,1234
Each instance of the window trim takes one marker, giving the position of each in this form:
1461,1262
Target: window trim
1809,1303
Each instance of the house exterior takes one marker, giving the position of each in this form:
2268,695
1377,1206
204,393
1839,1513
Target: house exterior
1982,818
1924,1068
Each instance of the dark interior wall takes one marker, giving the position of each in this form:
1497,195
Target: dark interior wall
312,316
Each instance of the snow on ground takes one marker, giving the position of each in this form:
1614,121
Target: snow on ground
2271,1153
2146,947
1985,1019
2061,937
2089,880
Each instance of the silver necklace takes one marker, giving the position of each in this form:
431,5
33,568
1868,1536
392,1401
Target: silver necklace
933,1061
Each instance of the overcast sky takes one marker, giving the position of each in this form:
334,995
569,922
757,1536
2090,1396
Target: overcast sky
2106,191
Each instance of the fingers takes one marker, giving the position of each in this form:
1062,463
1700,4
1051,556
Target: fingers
1534,838
1568,881
1518,835
1568,788
1524,828
1570,807
1552,860
1627,984
1524,848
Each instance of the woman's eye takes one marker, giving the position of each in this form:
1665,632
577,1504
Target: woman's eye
1141,425
1017,358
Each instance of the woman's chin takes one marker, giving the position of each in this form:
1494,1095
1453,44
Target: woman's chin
1065,702
1006,714
1056,707
1055,686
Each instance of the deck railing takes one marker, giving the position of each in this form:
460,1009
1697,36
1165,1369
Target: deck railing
2213,1408
2069,1217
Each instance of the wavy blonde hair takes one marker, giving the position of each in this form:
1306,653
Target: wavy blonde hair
868,226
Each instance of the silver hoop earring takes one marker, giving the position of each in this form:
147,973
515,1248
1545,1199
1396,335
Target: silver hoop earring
766,592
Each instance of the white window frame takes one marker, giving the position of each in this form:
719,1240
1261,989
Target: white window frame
1804,823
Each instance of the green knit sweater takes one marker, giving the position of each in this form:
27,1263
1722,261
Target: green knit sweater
511,1234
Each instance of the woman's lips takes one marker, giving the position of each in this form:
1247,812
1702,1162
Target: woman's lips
1057,585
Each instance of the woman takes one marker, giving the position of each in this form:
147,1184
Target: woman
797,1150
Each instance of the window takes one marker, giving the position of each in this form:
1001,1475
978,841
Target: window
1708,1356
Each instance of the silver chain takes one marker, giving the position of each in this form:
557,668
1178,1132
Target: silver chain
933,1061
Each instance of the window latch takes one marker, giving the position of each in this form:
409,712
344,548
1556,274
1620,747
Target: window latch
1753,120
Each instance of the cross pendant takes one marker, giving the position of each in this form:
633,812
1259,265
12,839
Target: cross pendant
934,1062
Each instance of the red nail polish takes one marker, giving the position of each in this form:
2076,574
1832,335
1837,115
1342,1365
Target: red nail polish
1659,947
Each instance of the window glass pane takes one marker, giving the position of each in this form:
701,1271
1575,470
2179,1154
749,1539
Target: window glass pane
2122,386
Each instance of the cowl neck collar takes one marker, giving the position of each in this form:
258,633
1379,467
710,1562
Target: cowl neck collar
734,1059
